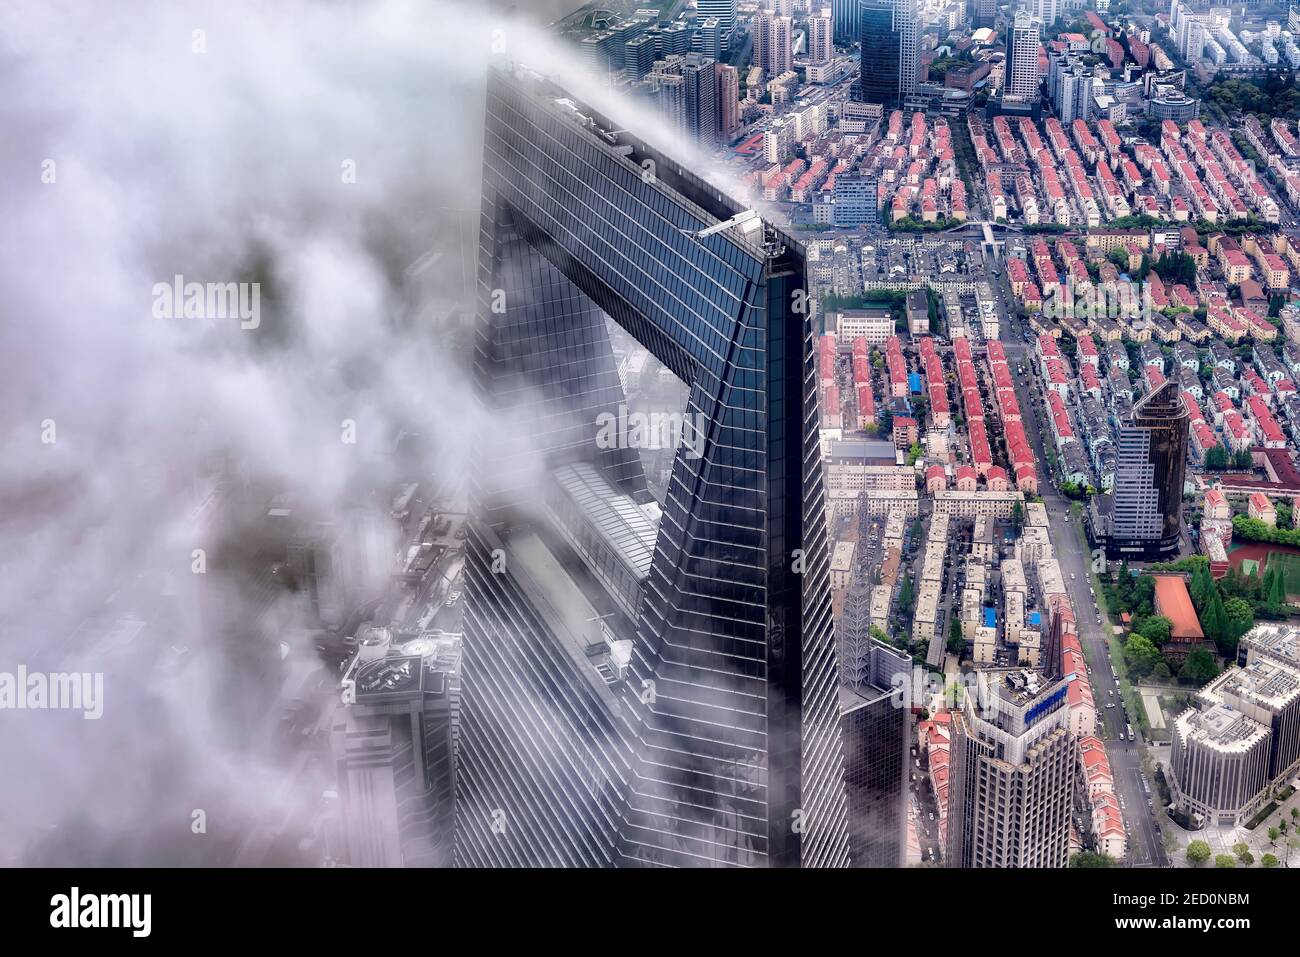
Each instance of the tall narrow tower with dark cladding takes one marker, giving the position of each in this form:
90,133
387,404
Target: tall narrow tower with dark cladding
1142,518
649,670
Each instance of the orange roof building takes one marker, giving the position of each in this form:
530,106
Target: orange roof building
1174,603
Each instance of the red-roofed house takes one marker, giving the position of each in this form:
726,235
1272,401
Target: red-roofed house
936,479
1261,508
1173,602
1216,505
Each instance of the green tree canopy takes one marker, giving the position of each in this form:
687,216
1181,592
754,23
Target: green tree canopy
1156,629
1199,667
1142,656
1202,586
1241,617
1092,859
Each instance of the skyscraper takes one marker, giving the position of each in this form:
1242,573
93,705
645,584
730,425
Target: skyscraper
1011,778
1045,12
646,680
639,55
668,88
773,43
709,36
728,99
393,747
844,21
686,88
1022,77
1142,516
820,45
760,34
984,13
888,30
724,10
908,26
701,108
875,723
1069,86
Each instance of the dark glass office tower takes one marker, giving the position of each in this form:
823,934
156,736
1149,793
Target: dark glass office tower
1142,517
875,723
645,681
888,63
844,21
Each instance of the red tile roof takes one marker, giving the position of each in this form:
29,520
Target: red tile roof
1174,603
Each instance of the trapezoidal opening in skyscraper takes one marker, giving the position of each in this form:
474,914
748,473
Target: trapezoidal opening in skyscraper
650,673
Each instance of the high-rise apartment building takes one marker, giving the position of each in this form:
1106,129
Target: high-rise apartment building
649,675
1012,772
1190,30
760,29
857,200
1046,12
1021,75
1069,87
821,46
702,114
888,30
773,37
983,13
686,90
728,100
1142,516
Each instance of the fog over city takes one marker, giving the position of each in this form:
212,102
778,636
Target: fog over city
329,152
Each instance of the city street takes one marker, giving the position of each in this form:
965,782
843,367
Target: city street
923,805
1145,846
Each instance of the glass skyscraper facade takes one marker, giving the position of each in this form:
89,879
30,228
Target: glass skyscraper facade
888,30
1142,517
880,52
876,723
647,681
844,21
